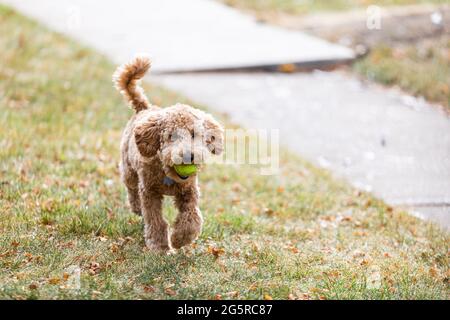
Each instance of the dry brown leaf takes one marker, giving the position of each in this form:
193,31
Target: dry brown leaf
287,68
333,273
235,200
304,296
268,211
94,268
170,292
149,289
364,262
232,294
434,271
217,252
54,281
293,249
253,286
33,286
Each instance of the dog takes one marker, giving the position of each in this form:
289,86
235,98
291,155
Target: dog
154,140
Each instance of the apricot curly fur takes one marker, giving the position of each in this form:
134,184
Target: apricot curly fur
154,140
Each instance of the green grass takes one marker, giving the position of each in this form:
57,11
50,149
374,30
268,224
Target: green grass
422,70
309,6
300,234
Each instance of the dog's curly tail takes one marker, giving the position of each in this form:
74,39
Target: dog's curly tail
125,80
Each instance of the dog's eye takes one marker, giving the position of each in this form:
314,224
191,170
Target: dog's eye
212,138
192,135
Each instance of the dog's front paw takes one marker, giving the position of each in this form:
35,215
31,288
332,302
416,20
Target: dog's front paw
185,233
158,248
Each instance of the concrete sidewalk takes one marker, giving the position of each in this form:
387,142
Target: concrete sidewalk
381,140
179,35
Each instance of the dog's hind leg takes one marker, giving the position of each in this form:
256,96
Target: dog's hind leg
131,181
134,200
188,223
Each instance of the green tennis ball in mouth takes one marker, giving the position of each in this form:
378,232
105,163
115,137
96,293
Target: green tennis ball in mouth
185,170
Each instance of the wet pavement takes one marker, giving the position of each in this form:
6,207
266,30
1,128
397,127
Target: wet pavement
381,140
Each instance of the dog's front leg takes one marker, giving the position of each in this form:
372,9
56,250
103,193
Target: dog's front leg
156,229
188,223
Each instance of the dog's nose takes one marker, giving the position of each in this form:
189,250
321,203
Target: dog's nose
188,158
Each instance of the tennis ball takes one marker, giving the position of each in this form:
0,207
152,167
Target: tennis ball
185,170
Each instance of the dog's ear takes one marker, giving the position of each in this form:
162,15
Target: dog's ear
147,136
214,135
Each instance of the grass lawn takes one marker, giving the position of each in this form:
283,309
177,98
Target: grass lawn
420,69
300,234
310,6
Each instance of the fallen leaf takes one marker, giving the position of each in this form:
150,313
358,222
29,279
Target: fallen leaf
268,211
217,252
170,291
94,268
114,247
235,200
54,281
434,271
33,286
293,249
253,286
358,253
287,67
304,296
267,297
232,294
149,289
347,218
364,262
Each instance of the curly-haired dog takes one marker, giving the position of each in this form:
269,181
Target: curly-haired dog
154,140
